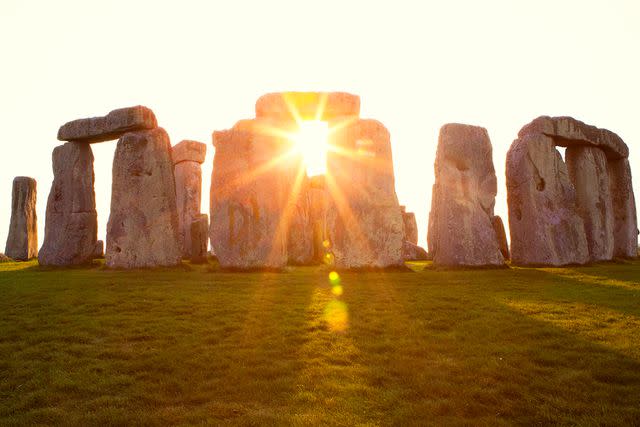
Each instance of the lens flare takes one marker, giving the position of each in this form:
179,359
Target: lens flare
336,316
328,259
336,286
311,141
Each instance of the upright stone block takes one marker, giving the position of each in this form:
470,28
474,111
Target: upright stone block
544,223
364,221
461,232
187,157
199,237
625,221
71,225
143,225
587,168
22,241
410,226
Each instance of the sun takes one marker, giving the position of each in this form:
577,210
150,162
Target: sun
311,141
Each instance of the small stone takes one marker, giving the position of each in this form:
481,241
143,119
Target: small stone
199,238
413,252
143,225
71,225
501,235
189,151
22,242
109,127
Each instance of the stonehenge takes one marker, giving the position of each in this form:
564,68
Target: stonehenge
267,213
143,224
188,157
461,230
575,212
22,241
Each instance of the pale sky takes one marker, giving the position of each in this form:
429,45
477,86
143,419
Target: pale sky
200,65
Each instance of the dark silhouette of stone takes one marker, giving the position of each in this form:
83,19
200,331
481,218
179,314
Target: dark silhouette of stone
501,235
71,225
22,241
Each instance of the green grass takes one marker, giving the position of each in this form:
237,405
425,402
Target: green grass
199,346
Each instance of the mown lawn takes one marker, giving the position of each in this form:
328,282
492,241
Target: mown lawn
199,346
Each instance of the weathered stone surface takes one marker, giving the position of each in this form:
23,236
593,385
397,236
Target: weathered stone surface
318,200
544,224
568,132
99,250
410,226
189,151
330,105
188,177
364,221
298,217
625,221
587,168
143,225
199,237
248,196
501,235
112,126
413,252
460,228
22,242
71,225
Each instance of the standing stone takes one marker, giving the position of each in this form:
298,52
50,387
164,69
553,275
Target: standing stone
587,168
71,225
501,235
410,226
318,216
364,221
460,222
544,224
187,158
198,238
22,242
625,221
143,225
297,216
248,196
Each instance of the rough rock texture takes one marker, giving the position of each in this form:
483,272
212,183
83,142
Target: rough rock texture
413,252
318,200
143,225
364,221
544,224
307,105
568,132
410,226
112,126
501,235
248,196
22,242
188,151
99,250
460,228
199,236
587,168
188,178
71,225
297,215
625,221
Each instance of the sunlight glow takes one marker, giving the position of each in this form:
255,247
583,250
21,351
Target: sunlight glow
311,141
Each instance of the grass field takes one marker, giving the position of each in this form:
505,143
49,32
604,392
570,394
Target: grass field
199,346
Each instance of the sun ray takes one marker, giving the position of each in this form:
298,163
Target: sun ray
322,104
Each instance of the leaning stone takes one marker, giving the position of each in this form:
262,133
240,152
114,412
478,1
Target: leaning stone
569,132
625,221
587,168
413,252
364,221
143,225
22,242
109,127
544,224
460,228
199,237
71,225
188,178
501,235
188,151
307,105
248,196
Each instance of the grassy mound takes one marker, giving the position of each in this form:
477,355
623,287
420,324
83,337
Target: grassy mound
194,345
